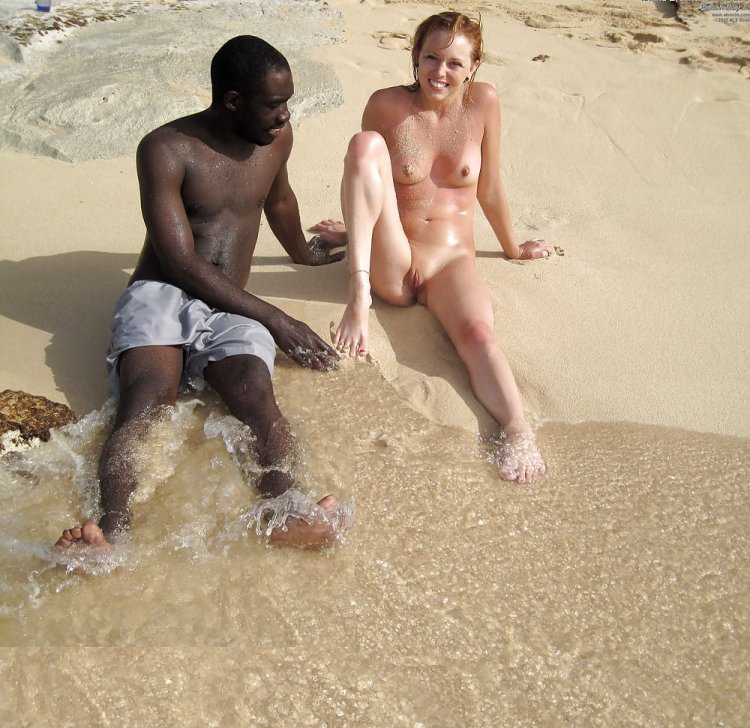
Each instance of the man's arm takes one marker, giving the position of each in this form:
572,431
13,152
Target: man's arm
161,172
282,213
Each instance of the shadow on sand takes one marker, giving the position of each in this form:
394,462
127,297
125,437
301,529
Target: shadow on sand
70,295
409,329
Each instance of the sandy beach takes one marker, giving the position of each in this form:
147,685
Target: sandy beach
629,160
610,594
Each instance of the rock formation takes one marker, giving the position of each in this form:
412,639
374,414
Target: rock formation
25,418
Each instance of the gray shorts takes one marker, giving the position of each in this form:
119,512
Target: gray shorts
152,313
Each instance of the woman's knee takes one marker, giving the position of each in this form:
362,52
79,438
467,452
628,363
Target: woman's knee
475,336
363,147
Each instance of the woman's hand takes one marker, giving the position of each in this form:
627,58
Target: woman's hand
332,231
536,248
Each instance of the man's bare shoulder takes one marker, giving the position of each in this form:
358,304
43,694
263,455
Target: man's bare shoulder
176,137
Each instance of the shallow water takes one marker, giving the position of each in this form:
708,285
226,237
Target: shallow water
613,592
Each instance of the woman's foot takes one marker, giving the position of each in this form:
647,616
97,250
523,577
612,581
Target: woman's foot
87,535
351,335
308,535
520,459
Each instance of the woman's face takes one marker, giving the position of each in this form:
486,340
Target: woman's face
444,69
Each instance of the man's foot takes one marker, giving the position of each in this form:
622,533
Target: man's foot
315,535
331,230
520,459
87,535
351,335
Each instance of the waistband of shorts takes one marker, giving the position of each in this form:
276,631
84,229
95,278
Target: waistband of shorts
143,281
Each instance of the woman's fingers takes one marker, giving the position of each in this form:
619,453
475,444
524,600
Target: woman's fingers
539,248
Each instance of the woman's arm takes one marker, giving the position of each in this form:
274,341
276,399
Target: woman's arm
490,190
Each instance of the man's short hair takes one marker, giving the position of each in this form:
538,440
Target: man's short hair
242,64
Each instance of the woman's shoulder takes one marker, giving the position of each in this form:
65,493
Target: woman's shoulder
385,108
484,93
390,95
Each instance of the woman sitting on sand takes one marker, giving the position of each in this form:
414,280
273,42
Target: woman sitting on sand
426,153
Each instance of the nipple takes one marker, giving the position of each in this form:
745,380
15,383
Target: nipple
465,171
408,170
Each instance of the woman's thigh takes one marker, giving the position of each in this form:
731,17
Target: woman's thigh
458,298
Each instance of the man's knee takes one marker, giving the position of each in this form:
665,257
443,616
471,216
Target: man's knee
145,393
148,377
244,383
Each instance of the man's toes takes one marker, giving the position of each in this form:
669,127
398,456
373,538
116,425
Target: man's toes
328,502
75,533
508,472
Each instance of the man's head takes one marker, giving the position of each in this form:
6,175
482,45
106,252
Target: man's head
242,64
253,81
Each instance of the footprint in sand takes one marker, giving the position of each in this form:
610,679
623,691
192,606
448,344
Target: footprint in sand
392,41
647,38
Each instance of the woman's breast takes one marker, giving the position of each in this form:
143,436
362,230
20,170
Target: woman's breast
450,168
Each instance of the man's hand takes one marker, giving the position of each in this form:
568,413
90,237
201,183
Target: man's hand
320,251
301,344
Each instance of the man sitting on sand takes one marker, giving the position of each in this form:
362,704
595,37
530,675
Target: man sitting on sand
185,316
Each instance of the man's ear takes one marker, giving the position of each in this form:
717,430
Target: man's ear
232,100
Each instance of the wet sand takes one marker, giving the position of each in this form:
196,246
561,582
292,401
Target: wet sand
611,593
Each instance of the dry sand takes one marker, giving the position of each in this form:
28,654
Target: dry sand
629,154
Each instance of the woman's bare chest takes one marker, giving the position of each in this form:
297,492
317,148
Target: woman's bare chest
447,151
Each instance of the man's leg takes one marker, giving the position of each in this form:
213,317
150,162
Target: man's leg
149,378
244,383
